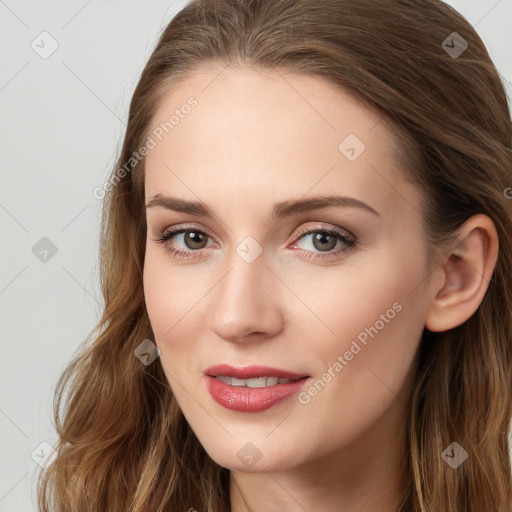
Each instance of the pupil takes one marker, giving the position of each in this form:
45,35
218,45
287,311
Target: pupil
194,238
321,237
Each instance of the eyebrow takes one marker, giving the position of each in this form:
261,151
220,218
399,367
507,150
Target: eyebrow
279,210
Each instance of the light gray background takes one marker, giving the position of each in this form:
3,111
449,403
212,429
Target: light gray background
62,122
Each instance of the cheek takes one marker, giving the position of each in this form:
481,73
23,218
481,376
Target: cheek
166,308
342,302
366,315
364,365
174,301
156,293
169,294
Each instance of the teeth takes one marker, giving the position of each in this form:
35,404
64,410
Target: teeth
258,382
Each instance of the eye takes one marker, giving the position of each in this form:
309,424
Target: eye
317,242
324,242
193,239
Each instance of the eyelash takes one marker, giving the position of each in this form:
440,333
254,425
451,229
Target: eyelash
349,241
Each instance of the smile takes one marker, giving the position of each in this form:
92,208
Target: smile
259,382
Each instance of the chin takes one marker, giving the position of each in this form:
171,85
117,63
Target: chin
246,457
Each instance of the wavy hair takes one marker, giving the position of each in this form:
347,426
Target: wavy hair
123,443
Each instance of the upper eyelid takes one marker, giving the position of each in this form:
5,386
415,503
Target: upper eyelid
176,230
323,227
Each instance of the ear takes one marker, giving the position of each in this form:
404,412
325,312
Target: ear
467,269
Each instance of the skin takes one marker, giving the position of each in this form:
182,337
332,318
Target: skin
257,138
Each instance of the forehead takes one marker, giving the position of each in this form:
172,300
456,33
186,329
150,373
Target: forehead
271,136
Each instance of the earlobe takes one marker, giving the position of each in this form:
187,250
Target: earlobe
467,270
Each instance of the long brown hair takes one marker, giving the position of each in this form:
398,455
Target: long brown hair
123,442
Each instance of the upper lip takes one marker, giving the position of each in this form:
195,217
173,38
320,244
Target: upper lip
251,372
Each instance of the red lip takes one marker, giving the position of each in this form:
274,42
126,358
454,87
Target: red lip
251,372
244,399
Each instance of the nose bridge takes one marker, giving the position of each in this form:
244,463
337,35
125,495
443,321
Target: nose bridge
245,300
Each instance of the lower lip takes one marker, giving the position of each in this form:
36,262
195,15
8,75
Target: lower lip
251,399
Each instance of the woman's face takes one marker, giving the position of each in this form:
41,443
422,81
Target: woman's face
271,274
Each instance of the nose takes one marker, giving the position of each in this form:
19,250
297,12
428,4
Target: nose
246,302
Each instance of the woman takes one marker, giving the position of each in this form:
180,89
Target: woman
305,257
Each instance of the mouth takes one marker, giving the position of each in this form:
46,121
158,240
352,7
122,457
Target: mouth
250,372
252,388
257,382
